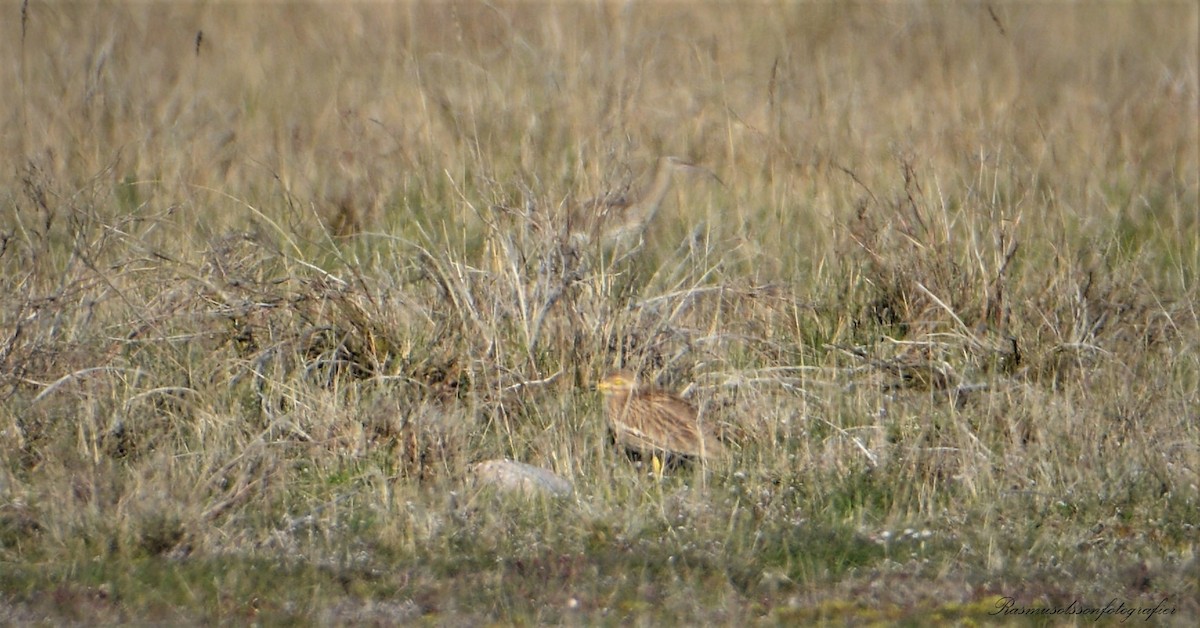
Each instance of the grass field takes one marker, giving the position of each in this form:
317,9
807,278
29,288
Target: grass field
276,275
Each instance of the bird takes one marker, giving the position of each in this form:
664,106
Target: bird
649,421
618,217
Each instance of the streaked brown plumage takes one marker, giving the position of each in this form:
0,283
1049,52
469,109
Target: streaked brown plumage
650,421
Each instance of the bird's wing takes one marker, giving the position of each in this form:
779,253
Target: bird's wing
690,438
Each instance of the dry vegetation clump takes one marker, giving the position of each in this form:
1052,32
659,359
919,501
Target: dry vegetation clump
278,281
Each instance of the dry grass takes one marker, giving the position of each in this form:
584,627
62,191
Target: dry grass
275,277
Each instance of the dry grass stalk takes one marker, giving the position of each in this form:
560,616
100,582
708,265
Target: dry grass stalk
620,217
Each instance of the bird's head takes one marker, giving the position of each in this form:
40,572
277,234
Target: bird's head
618,382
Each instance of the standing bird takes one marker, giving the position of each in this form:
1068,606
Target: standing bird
654,422
618,217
